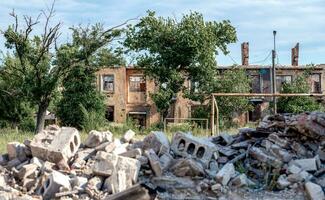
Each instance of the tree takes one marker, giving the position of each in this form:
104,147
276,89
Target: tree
15,110
170,52
79,91
298,104
40,64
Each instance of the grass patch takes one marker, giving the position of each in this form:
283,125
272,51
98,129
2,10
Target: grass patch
11,135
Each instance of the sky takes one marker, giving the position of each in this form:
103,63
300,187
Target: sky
295,21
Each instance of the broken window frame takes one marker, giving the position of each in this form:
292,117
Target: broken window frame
279,87
137,85
110,89
316,88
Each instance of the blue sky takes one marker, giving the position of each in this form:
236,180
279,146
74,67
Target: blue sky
295,21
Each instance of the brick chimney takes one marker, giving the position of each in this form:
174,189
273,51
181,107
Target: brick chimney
295,55
244,53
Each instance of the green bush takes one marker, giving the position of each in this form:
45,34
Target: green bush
92,120
298,104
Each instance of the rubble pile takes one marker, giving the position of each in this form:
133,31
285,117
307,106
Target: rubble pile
283,152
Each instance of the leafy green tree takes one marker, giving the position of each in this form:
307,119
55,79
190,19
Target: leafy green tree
80,94
170,52
298,104
233,80
40,65
15,111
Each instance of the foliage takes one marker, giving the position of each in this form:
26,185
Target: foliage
92,120
40,65
79,86
171,52
298,104
232,80
16,111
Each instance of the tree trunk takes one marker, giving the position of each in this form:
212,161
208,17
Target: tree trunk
42,107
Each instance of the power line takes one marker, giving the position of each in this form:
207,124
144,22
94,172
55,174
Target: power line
232,59
262,61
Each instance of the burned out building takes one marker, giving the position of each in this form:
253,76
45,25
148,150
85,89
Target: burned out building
128,90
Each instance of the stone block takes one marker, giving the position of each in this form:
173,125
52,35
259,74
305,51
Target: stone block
154,162
133,153
104,164
314,191
16,150
283,182
200,149
157,141
187,167
128,135
95,183
261,155
307,164
125,175
55,148
78,181
225,174
52,185
278,141
165,161
239,181
27,170
95,138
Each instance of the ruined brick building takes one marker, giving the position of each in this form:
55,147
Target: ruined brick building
127,90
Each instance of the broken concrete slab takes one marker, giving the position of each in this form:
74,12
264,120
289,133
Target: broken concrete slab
133,153
157,141
225,174
261,155
55,148
314,191
165,161
104,164
154,162
95,138
306,164
136,192
187,167
52,185
278,141
186,145
16,150
27,171
283,182
128,135
124,177
239,181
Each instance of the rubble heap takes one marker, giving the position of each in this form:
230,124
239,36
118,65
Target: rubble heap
284,151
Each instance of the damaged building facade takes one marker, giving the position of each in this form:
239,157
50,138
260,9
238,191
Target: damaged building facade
128,90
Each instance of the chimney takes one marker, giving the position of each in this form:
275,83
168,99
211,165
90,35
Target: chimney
295,55
244,53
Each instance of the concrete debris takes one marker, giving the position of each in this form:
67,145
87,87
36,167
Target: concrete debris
187,167
128,136
54,148
283,152
314,191
96,138
157,141
225,174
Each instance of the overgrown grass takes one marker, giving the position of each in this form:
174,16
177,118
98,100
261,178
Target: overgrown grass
11,135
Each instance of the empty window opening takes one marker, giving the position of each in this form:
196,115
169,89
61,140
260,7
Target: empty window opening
108,83
109,115
200,152
191,148
137,83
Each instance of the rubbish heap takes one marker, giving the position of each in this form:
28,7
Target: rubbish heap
283,152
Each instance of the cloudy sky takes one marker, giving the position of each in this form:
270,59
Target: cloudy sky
300,21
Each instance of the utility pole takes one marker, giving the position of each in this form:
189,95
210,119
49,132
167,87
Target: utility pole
274,74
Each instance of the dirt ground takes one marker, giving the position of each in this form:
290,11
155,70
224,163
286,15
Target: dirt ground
292,194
